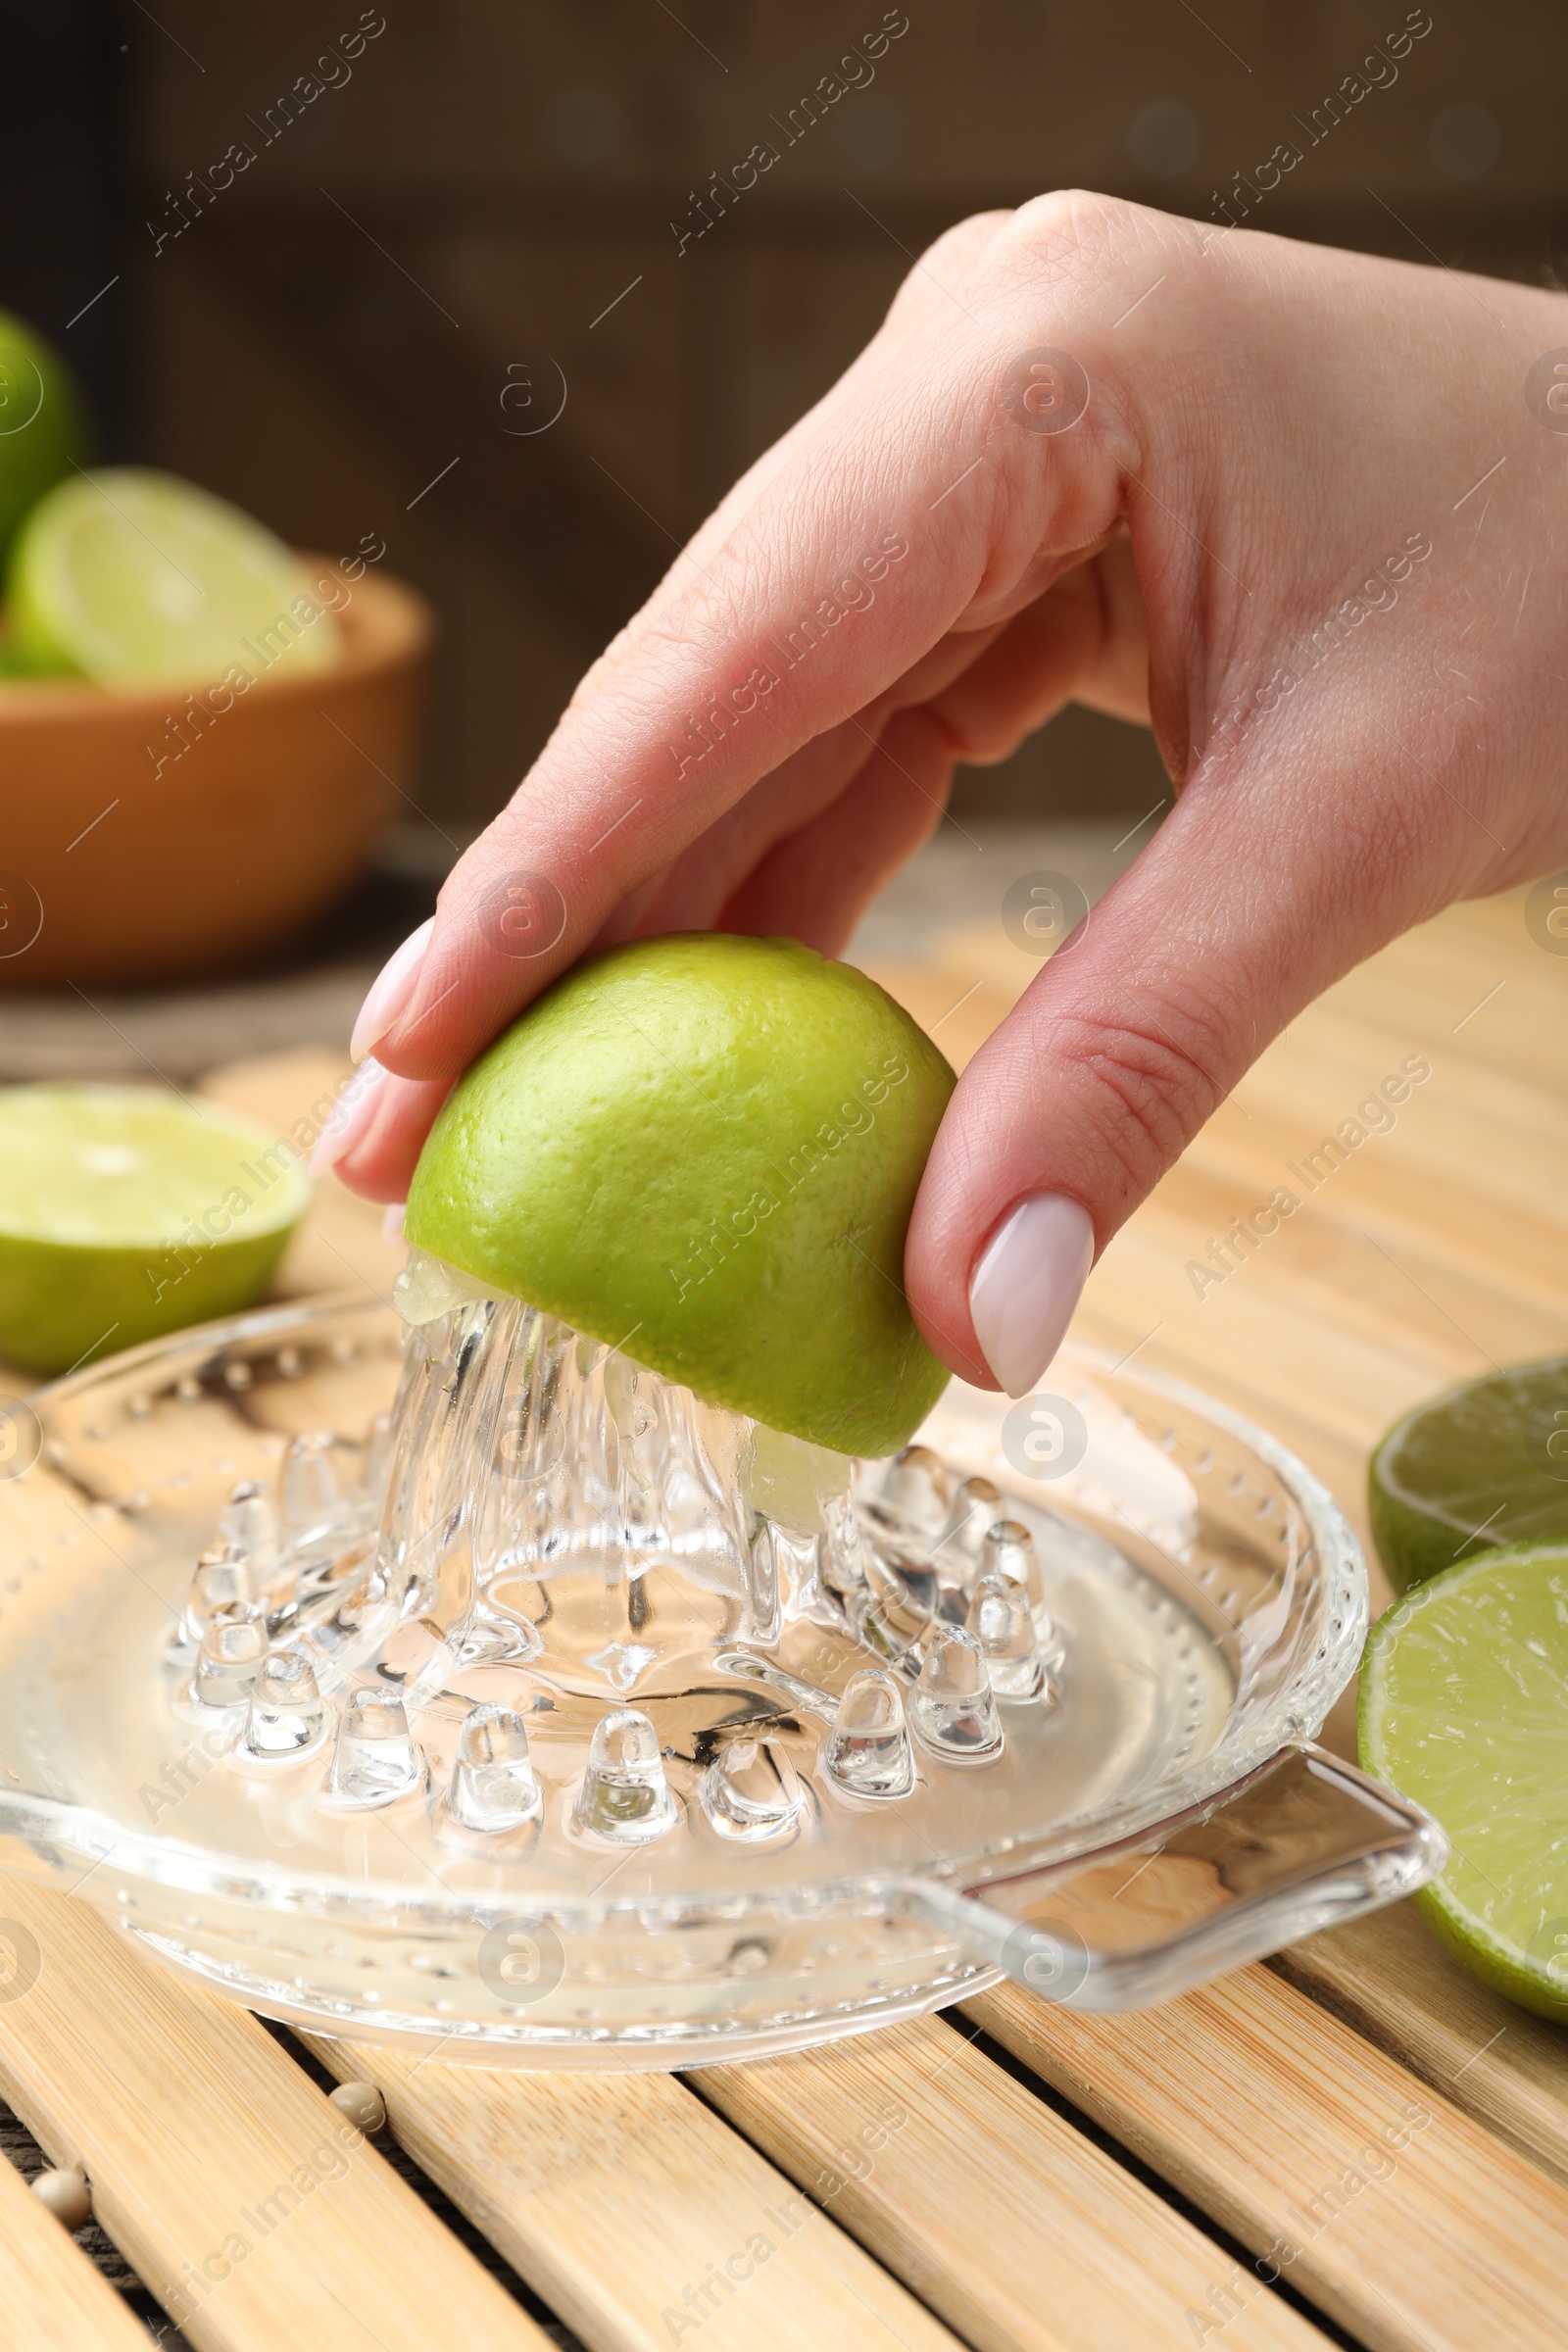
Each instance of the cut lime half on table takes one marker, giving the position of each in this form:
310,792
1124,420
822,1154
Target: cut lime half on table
127,575
125,1212
1483,1464
1464,1709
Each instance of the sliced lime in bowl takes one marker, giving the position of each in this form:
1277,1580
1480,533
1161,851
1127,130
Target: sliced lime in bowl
126,1211
1463,1707
127,575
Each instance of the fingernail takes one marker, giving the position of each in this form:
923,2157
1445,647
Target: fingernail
390,991
350,1117
1026,1283
392,1221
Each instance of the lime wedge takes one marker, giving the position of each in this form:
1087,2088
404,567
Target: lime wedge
1487,1463
41,424
705,1148
126,1212
1464,1708
127,575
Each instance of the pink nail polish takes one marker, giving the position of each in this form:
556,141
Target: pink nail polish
351,1115
1027,1282
390,991
392,1221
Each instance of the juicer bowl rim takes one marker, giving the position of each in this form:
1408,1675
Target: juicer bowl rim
1296,1713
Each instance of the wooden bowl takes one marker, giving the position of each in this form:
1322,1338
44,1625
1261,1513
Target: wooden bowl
132,852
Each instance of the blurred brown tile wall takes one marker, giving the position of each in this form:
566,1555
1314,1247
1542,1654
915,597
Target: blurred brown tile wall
478,181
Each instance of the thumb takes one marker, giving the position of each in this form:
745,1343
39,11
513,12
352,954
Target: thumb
1242,908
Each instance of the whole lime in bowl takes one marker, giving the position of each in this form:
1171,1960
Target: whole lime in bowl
126,1211
42,422
704,1149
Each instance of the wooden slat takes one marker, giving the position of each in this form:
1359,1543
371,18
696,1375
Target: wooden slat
636,2212
340,1243
49,2291
1384,2203
1390,1977
617,2195
199,2133
1000,2215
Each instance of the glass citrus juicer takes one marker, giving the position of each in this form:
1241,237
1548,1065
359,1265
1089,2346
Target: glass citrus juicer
437,1675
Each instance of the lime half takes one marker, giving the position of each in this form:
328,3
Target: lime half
1464,1708
704,1149
1486,1463
125,1212
127,575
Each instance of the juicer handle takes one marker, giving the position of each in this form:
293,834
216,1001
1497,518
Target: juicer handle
1303,1842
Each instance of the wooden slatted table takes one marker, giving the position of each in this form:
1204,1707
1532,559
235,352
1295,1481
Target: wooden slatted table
1355,2143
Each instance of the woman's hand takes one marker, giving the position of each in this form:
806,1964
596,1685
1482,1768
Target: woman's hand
1291,506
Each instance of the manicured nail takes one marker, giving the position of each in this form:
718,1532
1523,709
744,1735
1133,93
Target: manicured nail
350,1115
1026,1283
390,991
392,1221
